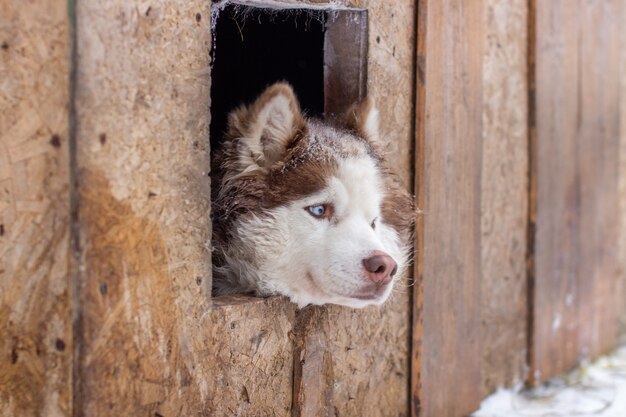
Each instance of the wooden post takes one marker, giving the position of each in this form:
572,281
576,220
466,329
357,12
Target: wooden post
447,313
504,193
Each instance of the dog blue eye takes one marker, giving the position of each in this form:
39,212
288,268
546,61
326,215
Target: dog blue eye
317,211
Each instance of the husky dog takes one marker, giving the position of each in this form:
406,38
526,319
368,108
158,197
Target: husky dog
305,208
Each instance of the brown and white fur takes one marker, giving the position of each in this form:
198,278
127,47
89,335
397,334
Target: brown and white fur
307,209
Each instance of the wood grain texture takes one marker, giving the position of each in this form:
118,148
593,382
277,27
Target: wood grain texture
345,60
575,301
622,250
447,336
367,351
150,340
622,176
504,193
35,316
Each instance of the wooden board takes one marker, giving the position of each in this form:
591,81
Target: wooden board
35,317
347,354
504,193
447,335
622,176
575,152
149,339
345,60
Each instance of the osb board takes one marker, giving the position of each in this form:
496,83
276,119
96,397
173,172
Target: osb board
504,193
345,354
150,342
576,152
446,367
35,322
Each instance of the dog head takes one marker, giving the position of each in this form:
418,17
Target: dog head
307,209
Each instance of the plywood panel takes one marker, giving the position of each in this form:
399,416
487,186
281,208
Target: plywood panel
576,151
447,322
504,193
35,317
366,351
150,340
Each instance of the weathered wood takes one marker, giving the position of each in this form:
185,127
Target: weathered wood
247,357
345,60
367,351
447,326
150,340
598,160
575,299
314,388
622,175
35,317
504,193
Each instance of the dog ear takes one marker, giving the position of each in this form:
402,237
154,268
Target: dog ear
363,118
265,128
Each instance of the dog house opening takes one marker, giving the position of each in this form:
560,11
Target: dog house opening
256,47
321,51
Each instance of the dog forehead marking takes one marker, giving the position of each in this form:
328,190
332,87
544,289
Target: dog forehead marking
360,180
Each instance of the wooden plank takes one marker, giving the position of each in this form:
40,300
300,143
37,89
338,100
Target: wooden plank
345,60
622,175
556,77
598,160
346,354
150,340
447,326
575,300
248,361
504,193
35,302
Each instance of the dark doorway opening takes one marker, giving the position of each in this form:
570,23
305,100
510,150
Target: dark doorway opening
256,47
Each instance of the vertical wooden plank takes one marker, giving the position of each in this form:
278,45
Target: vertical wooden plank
556,227
417,320
575,301
449,276
345,60
350,354
622,174
598,165
142,96
246,356
35,307
150,340
504,193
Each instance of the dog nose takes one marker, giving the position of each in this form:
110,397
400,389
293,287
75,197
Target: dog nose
380,268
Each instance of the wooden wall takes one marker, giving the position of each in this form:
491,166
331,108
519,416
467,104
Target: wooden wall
35,316
504,193
575,151
622,175
150,341
107,309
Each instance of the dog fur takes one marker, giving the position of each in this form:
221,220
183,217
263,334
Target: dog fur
278,170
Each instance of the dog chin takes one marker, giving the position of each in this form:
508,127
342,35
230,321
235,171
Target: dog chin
362,300
353,301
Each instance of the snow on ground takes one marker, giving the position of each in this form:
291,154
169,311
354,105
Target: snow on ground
594,390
